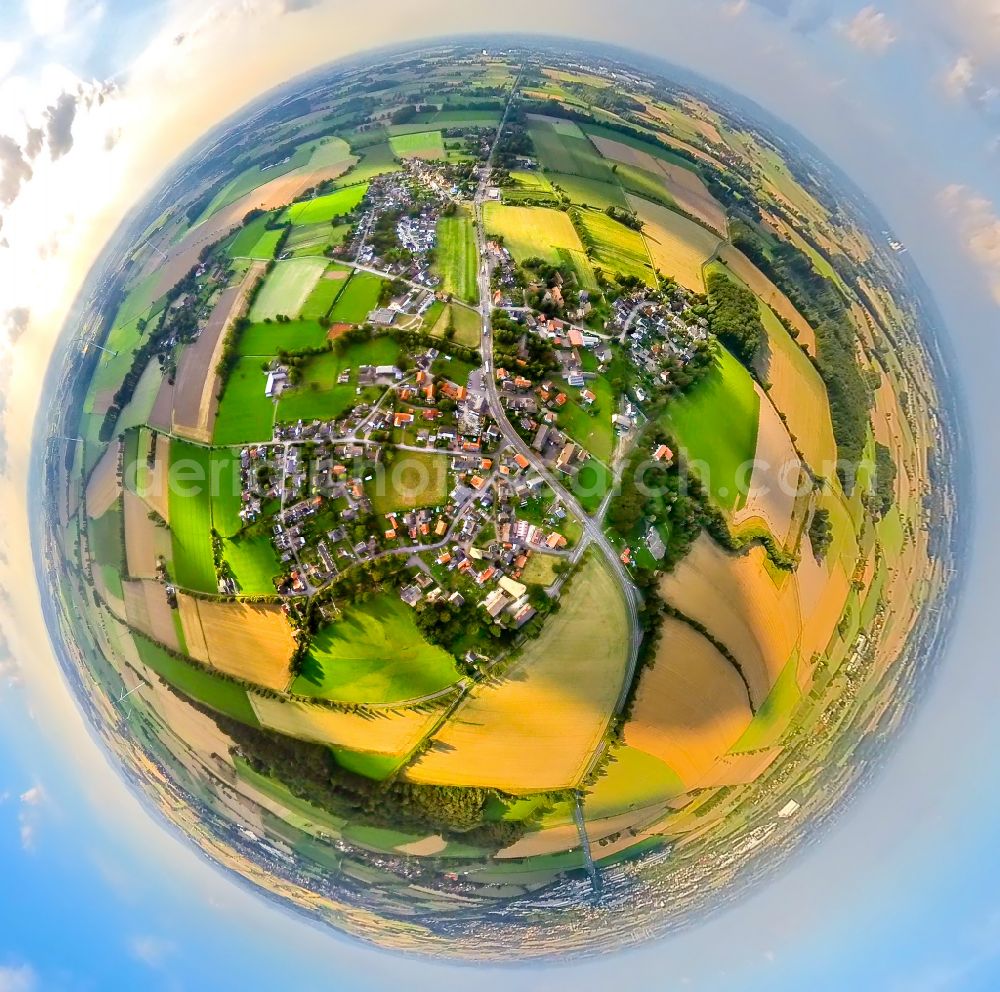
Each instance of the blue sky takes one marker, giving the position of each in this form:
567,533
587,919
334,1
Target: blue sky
902,893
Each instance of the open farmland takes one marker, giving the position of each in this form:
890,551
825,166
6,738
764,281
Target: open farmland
325,293
421,144
287,288
374,653
245,413
526,733
191,517
677,246
716,424
254,563
412,480
692,705
394,734
563,148
145,542
613,247
250,641
358,298
265,340
326,208
256,240
147,610
588,192
532,232
457,260
736,600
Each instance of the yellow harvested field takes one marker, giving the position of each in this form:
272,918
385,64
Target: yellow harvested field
144,541
147,610
194,635
739,769
538,728
251,641
691,194
677,246
734,597
157,490
769,293
395,734
691,706
196,394
162,416
778,481
104,486
798,392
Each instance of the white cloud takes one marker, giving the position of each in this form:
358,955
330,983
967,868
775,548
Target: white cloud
959,78
979,228
10,52
870,31
151,951
734,8
28,819
47,16
20,978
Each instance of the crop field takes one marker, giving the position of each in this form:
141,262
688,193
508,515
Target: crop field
422,144
376,160
774,715
527,188
395,734
144,540
245,413
254,563
224,466
526,733
202,686
374,653
634,780
325,293
716,423
287,288
768,293
777,479
532,232
265,340
678,247
326,208
251,641
319,395
614,247
148,611
691,706
540,570
589,192
314,239
413,479
562,147
799,393
457,259
191,517
359,297
467,325
736,600
625,148
103,487
255,240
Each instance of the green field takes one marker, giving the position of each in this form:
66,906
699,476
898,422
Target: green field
191,516
266,340
197,683
319,396
413,479
592,484
772,718
597,131
325,293
457,258
633,780
359,297
376,766
421,144
255,240
526,188
375,653
254,563
225,491
315,239
563,148
287,288
589,192
716,424
533,232
613,247
245,413
375,160
323,209
105,537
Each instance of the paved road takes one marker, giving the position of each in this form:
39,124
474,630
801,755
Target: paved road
593,532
